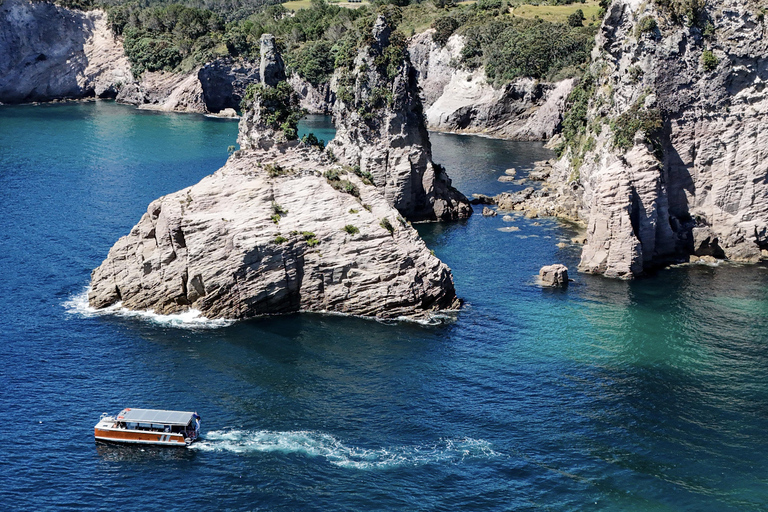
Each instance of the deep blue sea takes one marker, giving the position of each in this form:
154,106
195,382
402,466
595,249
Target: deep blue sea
608,396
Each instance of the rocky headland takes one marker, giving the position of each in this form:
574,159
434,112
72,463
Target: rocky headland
48,52
665,153
282,227
51,53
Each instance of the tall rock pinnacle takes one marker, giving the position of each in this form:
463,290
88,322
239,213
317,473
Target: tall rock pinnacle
381,129
272,68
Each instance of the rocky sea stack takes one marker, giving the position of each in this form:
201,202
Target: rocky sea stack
281,228
382,132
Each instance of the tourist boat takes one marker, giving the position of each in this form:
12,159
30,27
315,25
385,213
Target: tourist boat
149,426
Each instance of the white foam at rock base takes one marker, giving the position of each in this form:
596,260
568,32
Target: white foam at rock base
191,319
318,444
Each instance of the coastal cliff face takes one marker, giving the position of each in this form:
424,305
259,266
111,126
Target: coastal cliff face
49,52
280,228
459,100
211,88
673,155
381,130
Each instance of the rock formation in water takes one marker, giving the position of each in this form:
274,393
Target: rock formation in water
212,88
280,228
671,156
459,100
554,276
381,129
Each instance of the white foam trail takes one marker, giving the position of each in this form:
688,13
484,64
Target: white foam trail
191,319
318,444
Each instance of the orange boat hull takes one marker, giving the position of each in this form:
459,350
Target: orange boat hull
138,437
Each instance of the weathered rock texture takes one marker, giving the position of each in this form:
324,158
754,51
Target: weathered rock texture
314,99
702,187
380,128
267,234
212,88
48,52
462,101
555,276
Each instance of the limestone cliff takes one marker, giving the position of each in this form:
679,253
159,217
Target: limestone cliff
49,52
381,130
463,101
671,158
280,228
211,88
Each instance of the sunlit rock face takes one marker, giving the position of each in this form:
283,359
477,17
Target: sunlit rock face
280,228
380,129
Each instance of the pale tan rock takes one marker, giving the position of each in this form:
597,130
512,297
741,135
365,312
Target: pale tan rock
272,233
459,100
708,193
215,248
388,138
555,276
48,52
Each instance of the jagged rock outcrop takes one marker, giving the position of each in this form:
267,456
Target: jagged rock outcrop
217,86
49,52
672,157
224,81
280,228
314,99
381,130
459,100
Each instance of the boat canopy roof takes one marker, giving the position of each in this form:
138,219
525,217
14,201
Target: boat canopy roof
155,416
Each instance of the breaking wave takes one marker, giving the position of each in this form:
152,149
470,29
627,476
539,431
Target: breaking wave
192,319
317,444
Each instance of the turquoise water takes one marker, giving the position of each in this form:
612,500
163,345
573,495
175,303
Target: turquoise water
608,396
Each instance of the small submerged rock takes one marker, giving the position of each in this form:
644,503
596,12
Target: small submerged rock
487,212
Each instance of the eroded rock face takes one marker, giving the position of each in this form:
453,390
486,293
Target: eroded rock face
214,247
314,99
554,276
700,184
280,228
49,52
458,100
380,129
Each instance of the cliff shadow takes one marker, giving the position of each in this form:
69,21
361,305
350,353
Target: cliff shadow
680,185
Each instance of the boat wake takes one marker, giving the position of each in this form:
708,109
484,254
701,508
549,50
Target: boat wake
192,319
317,444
